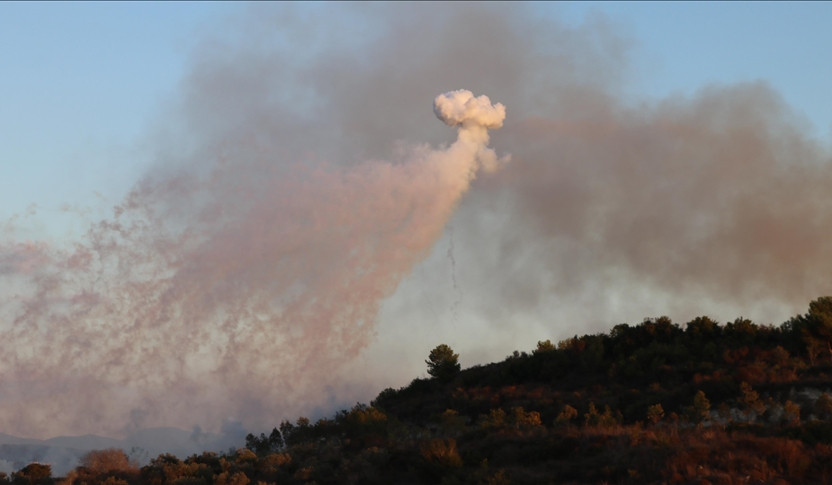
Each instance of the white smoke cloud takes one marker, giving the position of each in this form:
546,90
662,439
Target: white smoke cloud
474,116
462,108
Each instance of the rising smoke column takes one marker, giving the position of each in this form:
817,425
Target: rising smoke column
195,309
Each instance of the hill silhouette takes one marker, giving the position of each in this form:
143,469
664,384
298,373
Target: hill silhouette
655,402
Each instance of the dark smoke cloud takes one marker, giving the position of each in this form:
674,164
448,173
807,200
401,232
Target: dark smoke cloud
243,277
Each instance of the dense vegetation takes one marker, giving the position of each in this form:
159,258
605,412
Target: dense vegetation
649,403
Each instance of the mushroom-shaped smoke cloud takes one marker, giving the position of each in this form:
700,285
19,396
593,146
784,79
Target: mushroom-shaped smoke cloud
460,107
474,115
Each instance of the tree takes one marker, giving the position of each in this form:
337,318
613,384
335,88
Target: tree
443,363
750,400
823,407
496,418
819,329
655,413
607,420
592,416
700,410
544,346
525,420
701,327
442,452
566,416
33,474
701,404
265,445
109,460
791,413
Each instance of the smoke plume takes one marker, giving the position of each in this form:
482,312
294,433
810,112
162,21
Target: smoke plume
257,290
282,239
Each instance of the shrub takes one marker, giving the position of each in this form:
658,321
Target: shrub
442,451
655,413
566,416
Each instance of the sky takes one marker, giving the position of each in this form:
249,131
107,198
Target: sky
251,210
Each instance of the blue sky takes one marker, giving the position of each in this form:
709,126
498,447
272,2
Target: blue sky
82,81
682,46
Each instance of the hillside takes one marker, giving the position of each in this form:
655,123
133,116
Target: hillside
655,402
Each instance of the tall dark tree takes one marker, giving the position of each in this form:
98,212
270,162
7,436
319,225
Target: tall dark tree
443,363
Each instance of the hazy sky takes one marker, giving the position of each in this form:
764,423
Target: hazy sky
252,211
82,81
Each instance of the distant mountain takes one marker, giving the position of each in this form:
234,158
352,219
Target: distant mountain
7,439
16,456
86,442
64,453
175,441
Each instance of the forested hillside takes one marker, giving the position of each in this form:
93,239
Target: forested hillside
655,402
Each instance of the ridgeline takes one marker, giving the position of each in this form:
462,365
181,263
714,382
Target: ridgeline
655,402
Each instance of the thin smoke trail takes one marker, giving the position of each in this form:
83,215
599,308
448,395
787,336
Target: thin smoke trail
458,294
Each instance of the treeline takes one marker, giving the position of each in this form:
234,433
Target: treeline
654,402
